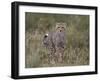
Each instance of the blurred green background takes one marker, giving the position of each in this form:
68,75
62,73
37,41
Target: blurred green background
77,47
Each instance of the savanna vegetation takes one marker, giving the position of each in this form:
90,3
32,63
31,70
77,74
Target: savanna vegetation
77,47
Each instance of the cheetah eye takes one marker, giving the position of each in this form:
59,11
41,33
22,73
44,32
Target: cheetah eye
62,27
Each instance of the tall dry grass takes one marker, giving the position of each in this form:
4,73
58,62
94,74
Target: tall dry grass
77,47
